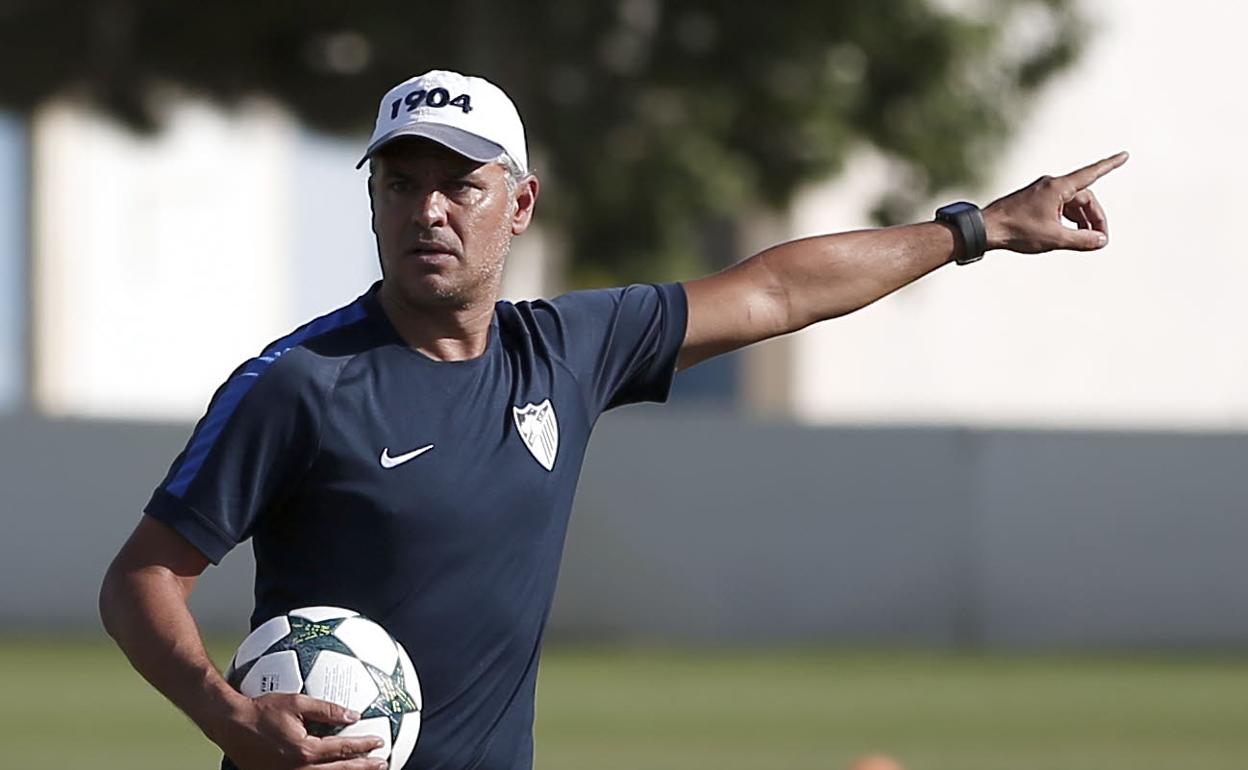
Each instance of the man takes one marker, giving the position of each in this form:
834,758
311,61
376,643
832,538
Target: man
413,455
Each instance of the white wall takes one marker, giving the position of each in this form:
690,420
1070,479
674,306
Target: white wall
162,262
1149,332
334,257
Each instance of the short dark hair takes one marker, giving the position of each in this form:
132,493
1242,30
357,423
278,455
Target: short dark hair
509,164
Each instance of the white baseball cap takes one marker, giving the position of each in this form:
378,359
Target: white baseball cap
470,115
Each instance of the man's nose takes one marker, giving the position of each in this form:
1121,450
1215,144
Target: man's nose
431,209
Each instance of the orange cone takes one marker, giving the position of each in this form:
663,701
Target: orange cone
875,762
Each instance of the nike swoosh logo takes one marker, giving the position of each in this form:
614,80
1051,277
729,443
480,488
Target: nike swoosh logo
390,462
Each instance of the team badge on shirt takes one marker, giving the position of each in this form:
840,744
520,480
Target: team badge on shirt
539,429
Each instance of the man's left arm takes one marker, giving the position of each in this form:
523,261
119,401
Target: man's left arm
793,285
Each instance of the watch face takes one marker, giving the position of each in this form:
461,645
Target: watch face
953,209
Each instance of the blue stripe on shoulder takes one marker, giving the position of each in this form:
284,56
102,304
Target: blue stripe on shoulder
220,412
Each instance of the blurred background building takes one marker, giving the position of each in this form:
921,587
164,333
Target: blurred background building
1033,450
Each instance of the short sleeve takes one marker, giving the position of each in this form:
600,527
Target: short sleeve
621,343
255,441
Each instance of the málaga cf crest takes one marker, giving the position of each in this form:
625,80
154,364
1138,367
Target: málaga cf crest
540,430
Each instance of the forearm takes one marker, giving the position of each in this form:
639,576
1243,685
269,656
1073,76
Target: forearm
793,285
828,276
798,283
145,611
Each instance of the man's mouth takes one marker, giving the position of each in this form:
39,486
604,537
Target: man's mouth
432,253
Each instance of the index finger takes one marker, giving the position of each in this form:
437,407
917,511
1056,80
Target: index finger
324,711
338,747
1090,173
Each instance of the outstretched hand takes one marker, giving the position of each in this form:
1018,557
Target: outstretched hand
1029,221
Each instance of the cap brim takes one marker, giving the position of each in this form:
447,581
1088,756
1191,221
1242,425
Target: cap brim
457,139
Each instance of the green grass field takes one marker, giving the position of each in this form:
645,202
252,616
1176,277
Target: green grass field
78,704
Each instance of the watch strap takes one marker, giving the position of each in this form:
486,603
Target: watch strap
968,220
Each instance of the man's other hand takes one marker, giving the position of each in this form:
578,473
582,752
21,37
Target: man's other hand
1029,221
270,733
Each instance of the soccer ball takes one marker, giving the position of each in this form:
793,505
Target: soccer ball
336,655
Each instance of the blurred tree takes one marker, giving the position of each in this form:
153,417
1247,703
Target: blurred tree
649,119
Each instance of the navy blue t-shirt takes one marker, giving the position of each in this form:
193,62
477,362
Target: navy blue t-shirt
430,496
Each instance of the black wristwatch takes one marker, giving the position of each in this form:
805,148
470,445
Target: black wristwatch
968,220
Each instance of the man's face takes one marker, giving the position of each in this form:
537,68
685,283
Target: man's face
444,223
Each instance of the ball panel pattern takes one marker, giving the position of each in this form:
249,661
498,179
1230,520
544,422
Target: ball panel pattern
317,614
378,726
405,743
369,641
410,680
309,639
277,672
265,636
341,679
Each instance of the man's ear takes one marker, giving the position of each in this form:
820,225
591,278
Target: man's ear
527,190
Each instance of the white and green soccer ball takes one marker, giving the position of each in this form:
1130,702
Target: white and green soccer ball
339,656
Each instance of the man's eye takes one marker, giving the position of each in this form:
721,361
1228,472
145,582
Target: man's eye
400,185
